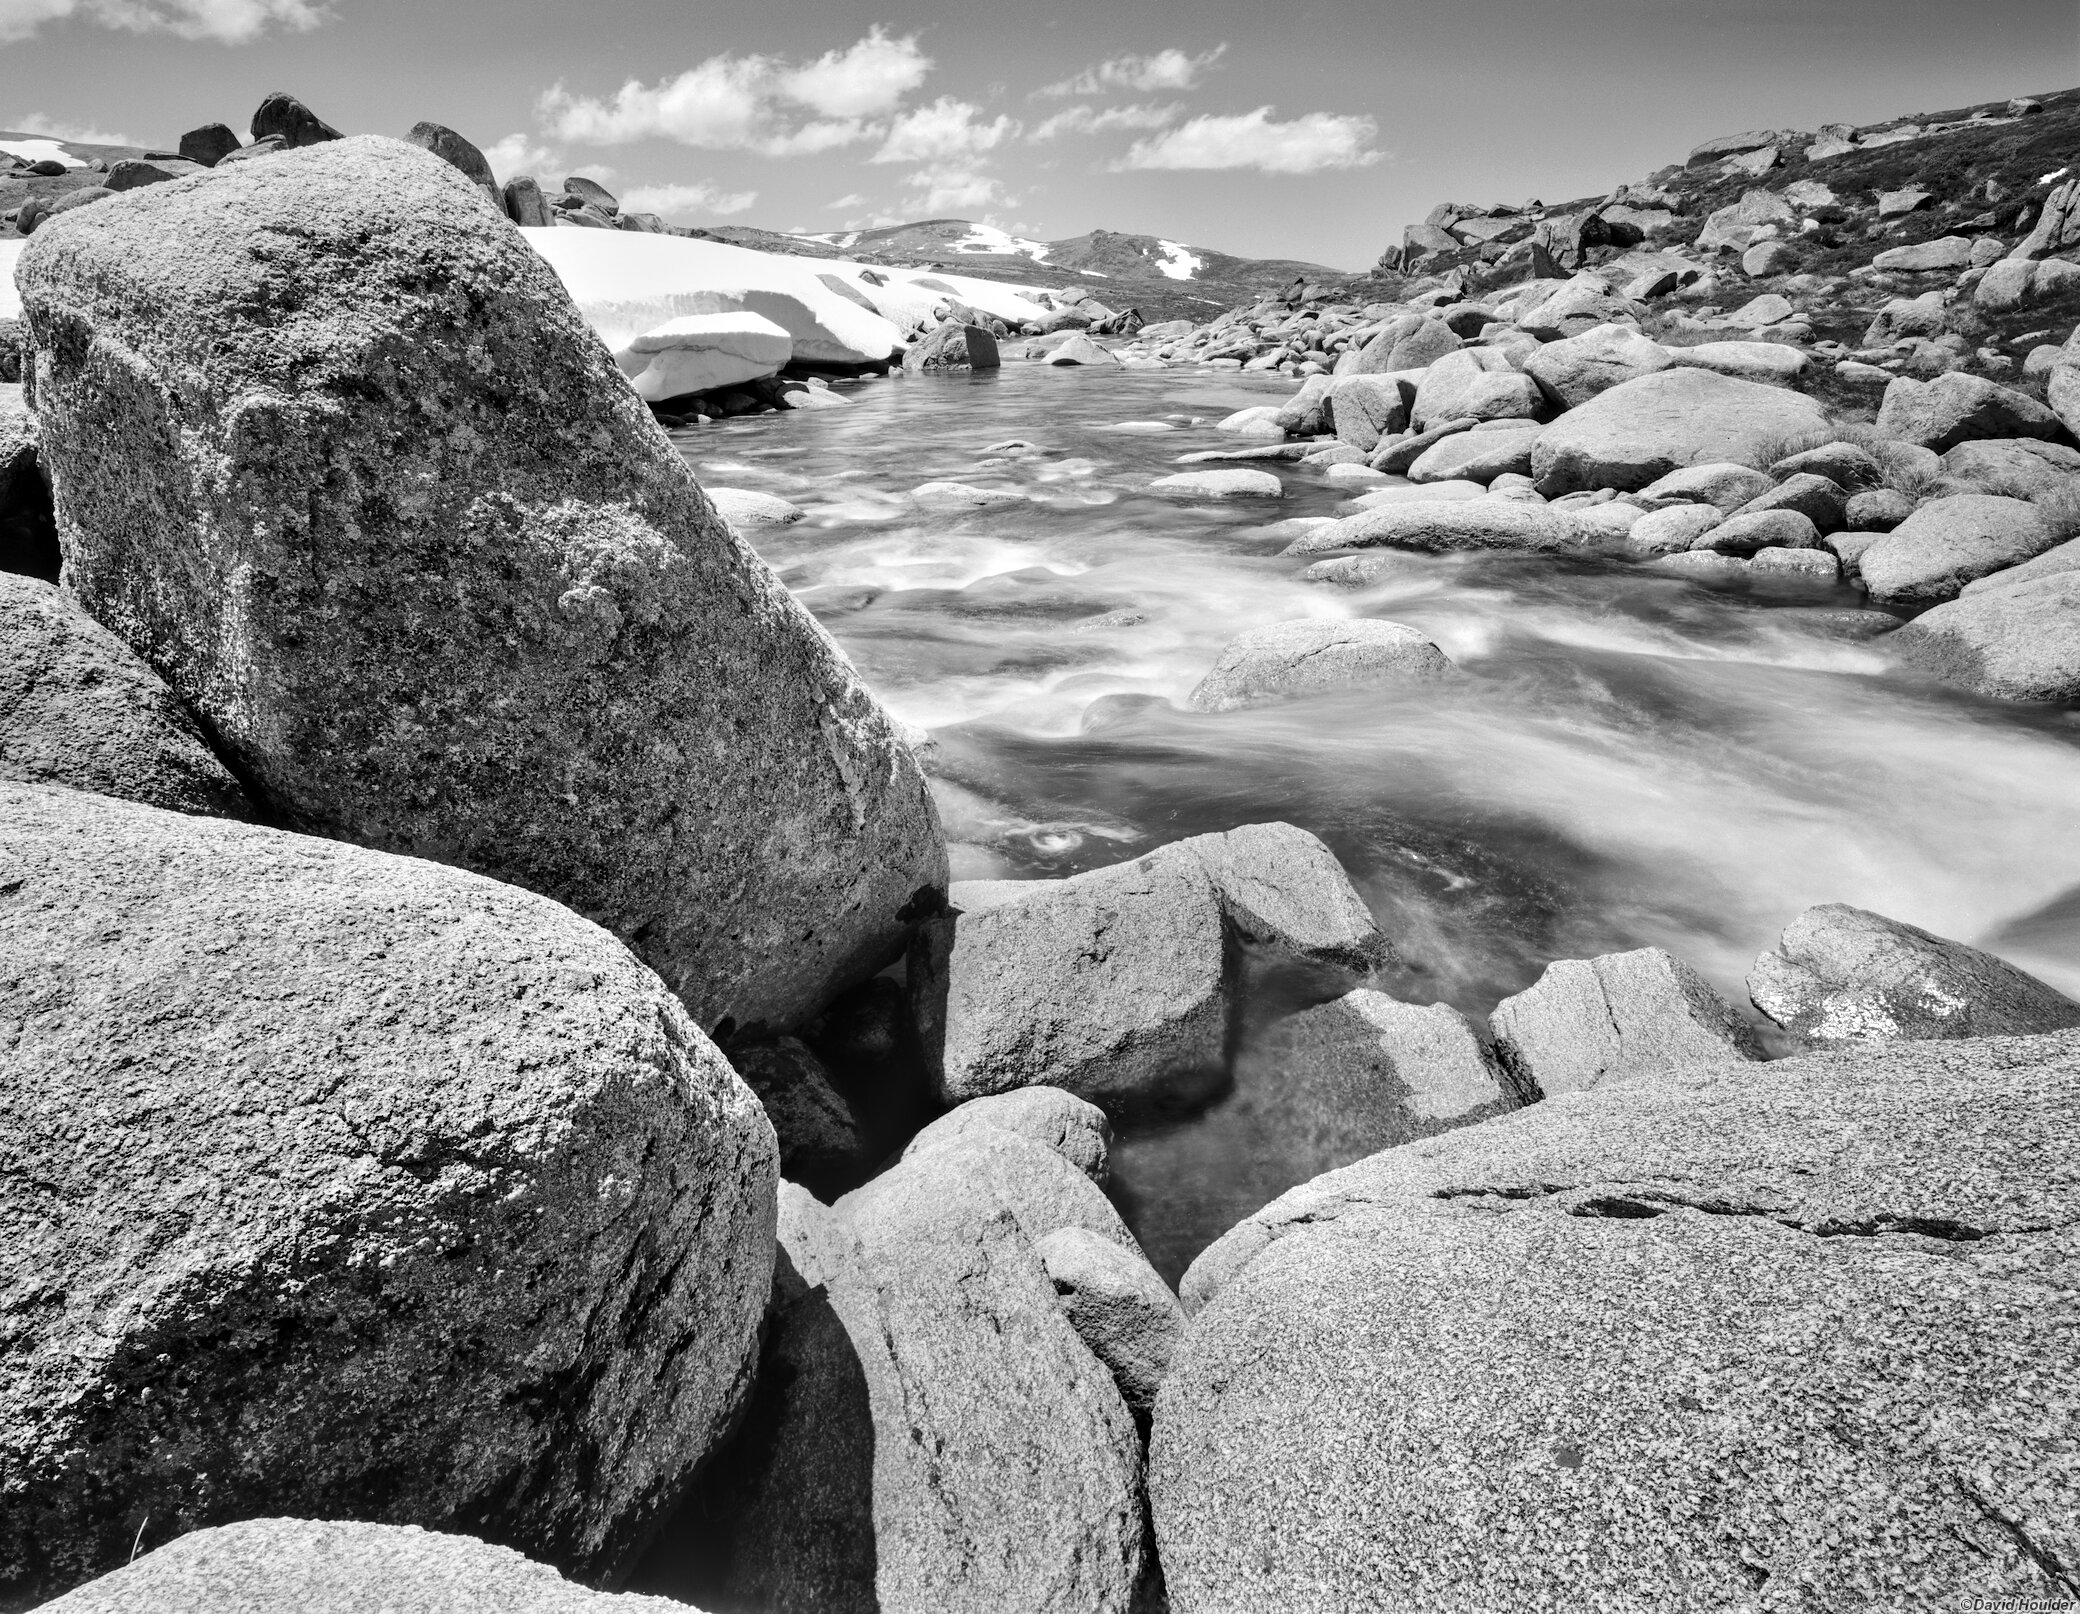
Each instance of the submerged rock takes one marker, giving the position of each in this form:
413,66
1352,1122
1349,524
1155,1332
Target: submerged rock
498,624
1314,657
1596,1021
1842,974
78,708
303,1566
1614,1353
361,1184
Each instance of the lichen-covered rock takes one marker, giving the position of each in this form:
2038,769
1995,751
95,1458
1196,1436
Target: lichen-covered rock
78,708
303,1566
1751,1336
348,1183
1316,656
1590,1022
1643,429
1842,974
336,454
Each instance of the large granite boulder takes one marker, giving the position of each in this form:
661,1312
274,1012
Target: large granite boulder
1475,383
1956,407
2016,641
303,1566
1750,1336
1118,985
461,155
1119,1306
1843,974
1641,430
1589,1022
1316,656
1948,543
930,1434
343,1183
1577,368
284,118
336,454
78,708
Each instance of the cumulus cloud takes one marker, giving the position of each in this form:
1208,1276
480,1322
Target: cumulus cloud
1304,145
1090,120
518,154
83,134
1170,69
953,188
853,200
946,131
675,200
231,22
747,103
869,76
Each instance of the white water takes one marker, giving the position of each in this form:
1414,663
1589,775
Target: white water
1633,759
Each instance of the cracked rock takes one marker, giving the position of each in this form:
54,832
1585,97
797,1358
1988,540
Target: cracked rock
1841,974
1590,1022
1118,985
1802,1326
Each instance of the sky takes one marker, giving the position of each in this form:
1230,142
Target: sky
1312,129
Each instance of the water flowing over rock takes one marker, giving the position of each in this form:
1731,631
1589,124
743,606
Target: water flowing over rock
248,1072
1841,974
78,708
1432,1381
1590,1022
1641,430
274,1566
415,554
1312,657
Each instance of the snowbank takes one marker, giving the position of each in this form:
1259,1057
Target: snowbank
10,299
699,352
628,283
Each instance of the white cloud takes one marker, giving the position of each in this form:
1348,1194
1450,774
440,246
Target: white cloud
1170,69
1304,145
740,103
1089,120
83,134
871,75
517,154
672,200
953,188
231,22
945,131
854,200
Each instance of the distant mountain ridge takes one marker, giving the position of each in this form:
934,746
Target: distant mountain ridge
1162,277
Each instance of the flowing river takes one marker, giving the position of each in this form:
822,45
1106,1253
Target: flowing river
1634,760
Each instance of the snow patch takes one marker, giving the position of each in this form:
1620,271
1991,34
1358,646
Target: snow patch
988,238
1179,261
37,151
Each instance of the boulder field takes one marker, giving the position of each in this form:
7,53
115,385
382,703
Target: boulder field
506,1109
